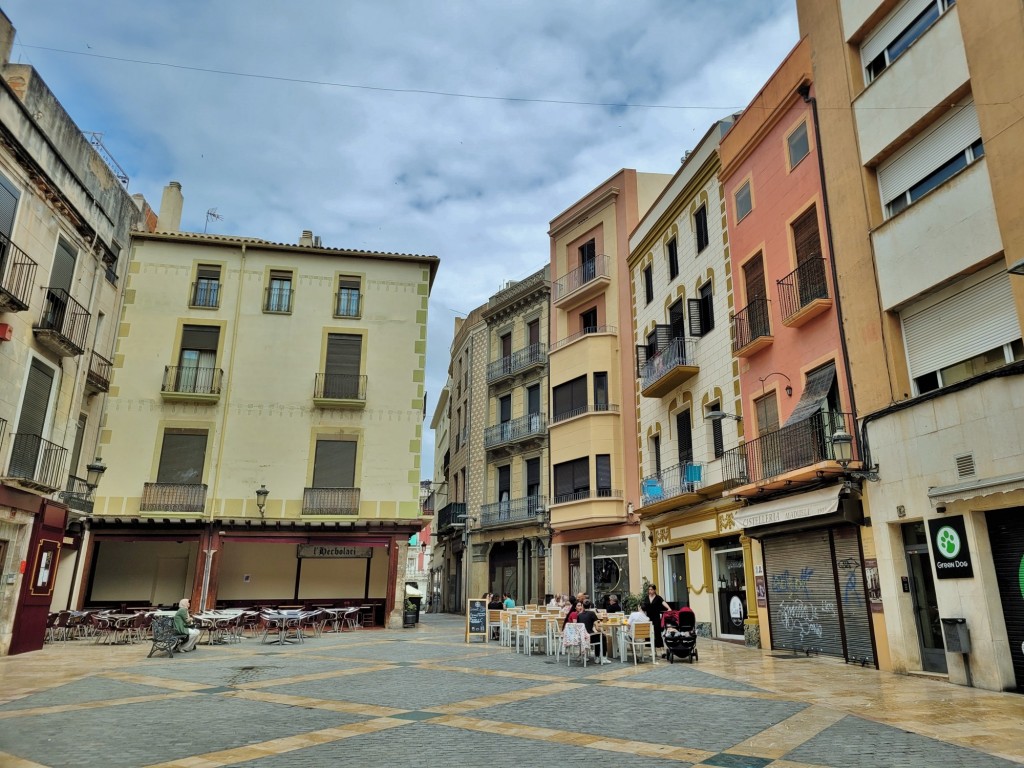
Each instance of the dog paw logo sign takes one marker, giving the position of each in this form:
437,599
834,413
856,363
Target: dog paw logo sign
948,542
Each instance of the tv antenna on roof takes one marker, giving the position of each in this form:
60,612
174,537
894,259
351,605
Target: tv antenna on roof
211,214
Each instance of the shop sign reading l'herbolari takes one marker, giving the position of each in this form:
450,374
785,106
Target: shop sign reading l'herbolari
950,550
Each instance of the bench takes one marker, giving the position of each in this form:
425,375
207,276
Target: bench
164,637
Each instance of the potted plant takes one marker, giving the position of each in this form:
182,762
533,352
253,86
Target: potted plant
409,614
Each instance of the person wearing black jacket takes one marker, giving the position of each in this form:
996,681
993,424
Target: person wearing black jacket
588,619
653,605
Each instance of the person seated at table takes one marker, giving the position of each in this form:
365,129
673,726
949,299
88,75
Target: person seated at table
588,618
182,628
495,604
634,617
509,602
555,602
573,614
612,604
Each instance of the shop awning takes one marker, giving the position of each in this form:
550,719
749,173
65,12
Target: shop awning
823,501
973,489
411,591
816,389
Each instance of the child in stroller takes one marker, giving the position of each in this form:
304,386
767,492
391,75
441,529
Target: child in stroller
680,634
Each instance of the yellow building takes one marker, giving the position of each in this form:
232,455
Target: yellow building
592,436
923,145
263,426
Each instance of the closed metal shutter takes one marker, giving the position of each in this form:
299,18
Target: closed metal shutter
1006,533
8,206
891,27
334,465
802,611
853,603
63,266
32,421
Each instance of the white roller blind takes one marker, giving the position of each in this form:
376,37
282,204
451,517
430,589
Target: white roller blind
968,323
890,28
954,133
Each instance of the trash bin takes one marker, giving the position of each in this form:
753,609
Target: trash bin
954,632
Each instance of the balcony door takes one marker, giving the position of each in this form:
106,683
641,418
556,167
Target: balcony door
59,290
757,298
8,207
504,491
32,422
198,359
588,261
533,484
342,366
182,457
334,465
768,451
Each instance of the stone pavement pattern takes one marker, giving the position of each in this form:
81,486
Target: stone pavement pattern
423,697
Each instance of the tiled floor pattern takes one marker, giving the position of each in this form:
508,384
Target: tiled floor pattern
423,697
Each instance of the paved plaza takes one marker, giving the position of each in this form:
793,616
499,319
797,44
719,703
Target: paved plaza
423,697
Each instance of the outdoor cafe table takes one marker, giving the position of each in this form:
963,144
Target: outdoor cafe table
285,620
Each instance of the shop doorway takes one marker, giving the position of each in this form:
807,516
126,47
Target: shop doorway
675,588
727,560
922,594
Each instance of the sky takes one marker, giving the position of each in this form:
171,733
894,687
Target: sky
458,128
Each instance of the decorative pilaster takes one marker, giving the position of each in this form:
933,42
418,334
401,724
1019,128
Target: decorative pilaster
394,620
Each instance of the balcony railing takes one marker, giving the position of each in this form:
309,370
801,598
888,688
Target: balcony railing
63,324
451,515
339,386
17,272
790,448
681,479
668,368
98,378
78,495
347,303
330,501
206,294
278,299
802,287
37,462
600,493
531,425
590,408
521,360
173,497
579,277
187,380
751,325
585,332
529,509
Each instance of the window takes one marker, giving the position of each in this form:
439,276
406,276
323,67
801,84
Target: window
673,259
656,453
588,320
206,289
343,367
603,469
569,399
35,405
684,436
334,463
676,319
182,456
702,311
937,177
588,261
799,145
533,478
897,32
717,439
279,292
700,227
505,409
767,410
58,292
110,263
197,371
572,480
504,491
533,332
601,391
648,284
533,399
743,201
349,297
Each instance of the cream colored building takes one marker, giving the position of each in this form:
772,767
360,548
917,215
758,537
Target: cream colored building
263,426
920,131
64,219
592,434
682,300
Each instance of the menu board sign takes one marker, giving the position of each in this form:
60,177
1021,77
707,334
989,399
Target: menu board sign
476,619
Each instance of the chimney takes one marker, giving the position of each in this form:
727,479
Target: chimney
307,238
169,219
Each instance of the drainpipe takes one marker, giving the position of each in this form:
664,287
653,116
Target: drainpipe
804,89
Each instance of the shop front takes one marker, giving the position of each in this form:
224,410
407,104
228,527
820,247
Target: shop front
600,565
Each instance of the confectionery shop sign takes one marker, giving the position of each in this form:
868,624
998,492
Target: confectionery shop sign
950,551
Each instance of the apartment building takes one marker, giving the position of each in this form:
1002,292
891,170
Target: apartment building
65,217
592,438
682,296
924,150
262,430
437,493
510,526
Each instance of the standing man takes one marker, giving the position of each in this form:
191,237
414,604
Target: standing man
181,627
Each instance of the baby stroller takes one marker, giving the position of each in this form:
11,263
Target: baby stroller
679,632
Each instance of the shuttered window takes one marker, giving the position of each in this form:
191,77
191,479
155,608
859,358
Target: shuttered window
898,30
677,319
279,291
570,398
603,470
533,399
9,195
717,438
572,480
200,337
684,436
334,464
533,332
700,225
533,477
505,408
806,237
648,285
701,311
182,456
342,365
673,259
63,266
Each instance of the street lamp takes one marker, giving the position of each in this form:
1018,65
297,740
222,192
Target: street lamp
261,499
719,415
842,451
94,472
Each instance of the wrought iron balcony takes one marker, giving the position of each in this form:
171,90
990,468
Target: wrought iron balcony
330,501
184,382
585,332
600,493
339,390
518,362
36,462
78,495
348,303
63,324
584,281
173,497
667,369
752,331
595,408
528,509
17,272
451,516
205,294
799,446
278,299
803,293
671,483
532,425
98,378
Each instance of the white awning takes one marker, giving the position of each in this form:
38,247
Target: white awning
823,501
973,489
411,591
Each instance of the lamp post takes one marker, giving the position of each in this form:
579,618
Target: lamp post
261,499
842,452
719,415
94,472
